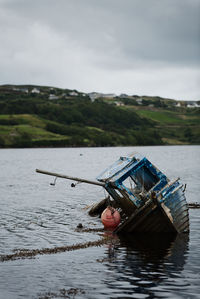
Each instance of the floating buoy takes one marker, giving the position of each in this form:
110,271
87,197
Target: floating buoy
110,217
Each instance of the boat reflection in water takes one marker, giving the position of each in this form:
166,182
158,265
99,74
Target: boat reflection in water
142,263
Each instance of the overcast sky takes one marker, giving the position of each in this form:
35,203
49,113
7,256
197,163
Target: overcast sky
144,47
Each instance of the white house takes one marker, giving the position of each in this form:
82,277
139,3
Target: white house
178,104
192,105
35,90
73,93
95,95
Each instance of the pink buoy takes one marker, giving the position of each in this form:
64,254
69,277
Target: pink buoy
110,217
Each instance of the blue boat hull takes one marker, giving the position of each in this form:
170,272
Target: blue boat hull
176,208
167,216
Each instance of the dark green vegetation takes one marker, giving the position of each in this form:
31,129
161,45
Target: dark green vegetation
33,116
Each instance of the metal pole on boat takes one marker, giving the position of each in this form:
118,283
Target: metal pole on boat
58,175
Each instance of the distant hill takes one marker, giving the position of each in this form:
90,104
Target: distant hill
35,116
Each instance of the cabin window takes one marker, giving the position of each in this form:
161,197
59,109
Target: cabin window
129,183
145,178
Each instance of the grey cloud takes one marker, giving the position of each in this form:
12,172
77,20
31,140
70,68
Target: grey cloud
62,40
136,31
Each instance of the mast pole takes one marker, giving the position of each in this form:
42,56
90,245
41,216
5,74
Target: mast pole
58,175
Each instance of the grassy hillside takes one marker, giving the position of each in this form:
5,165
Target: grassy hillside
175,127
32,116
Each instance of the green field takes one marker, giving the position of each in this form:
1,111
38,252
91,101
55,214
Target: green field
169,117
31,129
32,120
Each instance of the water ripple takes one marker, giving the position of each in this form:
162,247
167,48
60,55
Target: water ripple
35,215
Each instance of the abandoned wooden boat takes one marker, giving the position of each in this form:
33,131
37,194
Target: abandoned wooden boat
147,199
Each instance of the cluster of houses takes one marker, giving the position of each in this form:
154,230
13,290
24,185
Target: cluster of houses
139,100
188,104
52,95
115,99
26,90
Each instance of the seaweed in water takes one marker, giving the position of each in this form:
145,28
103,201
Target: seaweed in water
25,253
63,293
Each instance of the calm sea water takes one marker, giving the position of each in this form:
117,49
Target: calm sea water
35,215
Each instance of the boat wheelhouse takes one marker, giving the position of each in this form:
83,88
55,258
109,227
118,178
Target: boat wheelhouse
148,200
